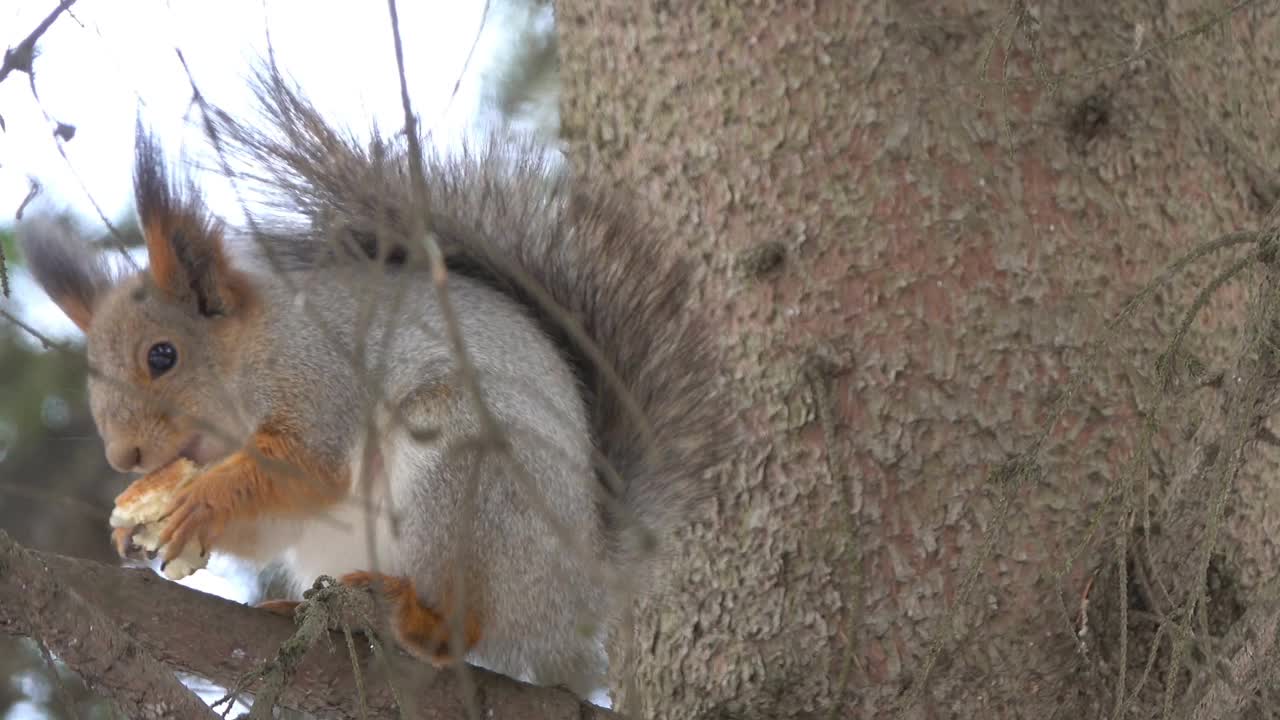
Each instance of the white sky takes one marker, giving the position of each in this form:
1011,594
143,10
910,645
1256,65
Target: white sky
116,60
110,62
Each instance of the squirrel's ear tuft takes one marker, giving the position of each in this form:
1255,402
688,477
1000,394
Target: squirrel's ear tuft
184,242
73,275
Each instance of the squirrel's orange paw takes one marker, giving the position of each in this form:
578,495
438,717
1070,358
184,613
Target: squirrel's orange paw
197,514
418,628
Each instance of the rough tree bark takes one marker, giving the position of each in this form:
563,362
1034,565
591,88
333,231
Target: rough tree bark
917,217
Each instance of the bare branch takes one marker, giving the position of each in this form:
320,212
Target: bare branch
35,599
222,641
20,57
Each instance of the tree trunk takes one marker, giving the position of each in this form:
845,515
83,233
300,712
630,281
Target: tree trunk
917,221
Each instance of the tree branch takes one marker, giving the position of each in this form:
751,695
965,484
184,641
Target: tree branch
35,600
48,596
21,57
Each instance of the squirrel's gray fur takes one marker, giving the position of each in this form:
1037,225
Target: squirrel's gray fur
616,435
564,250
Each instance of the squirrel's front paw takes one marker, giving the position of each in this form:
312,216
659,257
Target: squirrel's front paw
143,508
193,522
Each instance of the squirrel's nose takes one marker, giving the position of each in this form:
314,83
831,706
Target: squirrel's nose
124,457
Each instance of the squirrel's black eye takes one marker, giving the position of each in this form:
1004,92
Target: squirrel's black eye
161,358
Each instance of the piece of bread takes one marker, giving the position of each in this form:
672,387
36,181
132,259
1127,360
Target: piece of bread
138,518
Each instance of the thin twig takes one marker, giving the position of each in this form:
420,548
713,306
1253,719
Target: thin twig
21,56
439,276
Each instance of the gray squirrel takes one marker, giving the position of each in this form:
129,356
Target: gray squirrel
299,400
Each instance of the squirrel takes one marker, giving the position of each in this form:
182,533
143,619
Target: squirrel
295,396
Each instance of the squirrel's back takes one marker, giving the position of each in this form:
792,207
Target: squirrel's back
614,296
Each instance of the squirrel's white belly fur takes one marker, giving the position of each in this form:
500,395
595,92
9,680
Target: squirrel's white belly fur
354,535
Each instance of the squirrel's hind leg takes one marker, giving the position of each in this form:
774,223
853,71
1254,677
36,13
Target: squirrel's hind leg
418,628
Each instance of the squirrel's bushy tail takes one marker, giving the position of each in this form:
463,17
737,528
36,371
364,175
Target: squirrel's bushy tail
574,254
